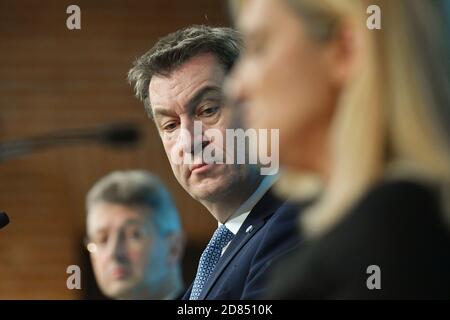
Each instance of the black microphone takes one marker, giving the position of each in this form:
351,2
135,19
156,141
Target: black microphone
114,135
4,220
119,135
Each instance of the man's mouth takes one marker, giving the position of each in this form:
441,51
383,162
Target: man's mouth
199,168
119,273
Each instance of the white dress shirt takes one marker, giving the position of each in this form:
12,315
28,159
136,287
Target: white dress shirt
235,222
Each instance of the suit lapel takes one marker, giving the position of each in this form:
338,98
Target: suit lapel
255,220
187,294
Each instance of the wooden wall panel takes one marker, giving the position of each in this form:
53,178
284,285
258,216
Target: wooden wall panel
52,78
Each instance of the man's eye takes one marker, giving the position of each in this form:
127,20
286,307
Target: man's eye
170,126
135,234
209,111
101,240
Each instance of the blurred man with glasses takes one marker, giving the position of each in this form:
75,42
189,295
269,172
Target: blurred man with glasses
134,237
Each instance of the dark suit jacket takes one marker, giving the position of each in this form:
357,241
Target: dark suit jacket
398,226
241,272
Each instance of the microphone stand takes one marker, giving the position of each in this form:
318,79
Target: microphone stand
116,135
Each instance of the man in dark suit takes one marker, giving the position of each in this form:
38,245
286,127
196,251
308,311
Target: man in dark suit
180,82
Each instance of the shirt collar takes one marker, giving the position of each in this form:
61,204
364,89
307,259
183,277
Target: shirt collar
235,222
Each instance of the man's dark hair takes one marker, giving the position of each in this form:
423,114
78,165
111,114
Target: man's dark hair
173,50
137,189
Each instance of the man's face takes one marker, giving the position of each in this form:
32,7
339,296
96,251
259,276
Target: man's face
123,250
193,92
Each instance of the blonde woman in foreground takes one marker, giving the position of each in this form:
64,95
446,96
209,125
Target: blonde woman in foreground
363,114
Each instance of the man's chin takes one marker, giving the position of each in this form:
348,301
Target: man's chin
212,191
212,185
120,289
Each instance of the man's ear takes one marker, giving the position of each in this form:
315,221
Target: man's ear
176,243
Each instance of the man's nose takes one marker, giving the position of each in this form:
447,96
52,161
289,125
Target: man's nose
118,249
191,138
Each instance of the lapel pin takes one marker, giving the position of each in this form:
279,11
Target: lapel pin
249,229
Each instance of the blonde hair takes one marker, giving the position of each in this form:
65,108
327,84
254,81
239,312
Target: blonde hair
385,124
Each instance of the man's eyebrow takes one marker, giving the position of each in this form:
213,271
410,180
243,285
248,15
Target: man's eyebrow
131,222
193,102
98,231
200,95
128,223
160,111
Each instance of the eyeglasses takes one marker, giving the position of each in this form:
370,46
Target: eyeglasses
130,236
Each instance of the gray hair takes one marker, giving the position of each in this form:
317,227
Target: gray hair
137,188
173,50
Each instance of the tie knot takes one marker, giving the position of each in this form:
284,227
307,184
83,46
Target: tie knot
221,237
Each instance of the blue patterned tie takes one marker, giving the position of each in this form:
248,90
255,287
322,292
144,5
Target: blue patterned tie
209,259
